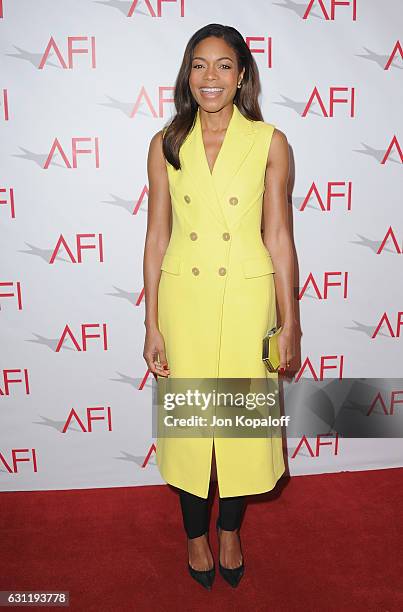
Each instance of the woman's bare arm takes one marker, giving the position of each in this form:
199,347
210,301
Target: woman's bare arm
158,227
156,242
277,238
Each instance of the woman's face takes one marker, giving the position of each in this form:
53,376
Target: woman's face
214,74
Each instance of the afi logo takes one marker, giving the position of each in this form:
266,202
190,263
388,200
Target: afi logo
9,201
28,456
269,51
396,397
144,98
56,146
79,247
315,452
93,413
325,201
159,4
393,143
151,450
71,51
390,234
323,295
11,294
326,362
320,4
385,319
10,379
396,49
84,336
143,194
333,100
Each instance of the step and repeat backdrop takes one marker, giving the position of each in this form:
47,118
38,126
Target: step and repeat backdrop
84,85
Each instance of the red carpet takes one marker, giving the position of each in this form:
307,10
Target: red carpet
317,543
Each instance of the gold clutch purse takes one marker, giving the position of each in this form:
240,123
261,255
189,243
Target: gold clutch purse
270,352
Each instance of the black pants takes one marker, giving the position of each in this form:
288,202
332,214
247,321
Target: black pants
195,513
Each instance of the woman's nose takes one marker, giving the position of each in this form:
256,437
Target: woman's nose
211,73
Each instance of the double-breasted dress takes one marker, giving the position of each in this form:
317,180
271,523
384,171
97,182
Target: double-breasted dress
216,300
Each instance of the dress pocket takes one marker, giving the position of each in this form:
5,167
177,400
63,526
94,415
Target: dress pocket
171,263
257,266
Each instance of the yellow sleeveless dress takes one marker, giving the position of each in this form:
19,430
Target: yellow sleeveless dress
216,300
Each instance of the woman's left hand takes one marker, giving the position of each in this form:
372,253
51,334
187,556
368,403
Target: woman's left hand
286,345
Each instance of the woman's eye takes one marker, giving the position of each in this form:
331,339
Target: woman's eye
201,66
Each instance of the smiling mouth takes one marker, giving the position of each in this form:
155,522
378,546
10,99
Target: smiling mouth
211,91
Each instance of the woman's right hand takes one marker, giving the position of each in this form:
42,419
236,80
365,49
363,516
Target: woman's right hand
154,353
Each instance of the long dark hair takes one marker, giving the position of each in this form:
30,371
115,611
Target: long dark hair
246,97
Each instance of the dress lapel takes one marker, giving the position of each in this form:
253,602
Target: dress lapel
238,141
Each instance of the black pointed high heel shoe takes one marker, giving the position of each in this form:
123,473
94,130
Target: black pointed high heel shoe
203,577
232,576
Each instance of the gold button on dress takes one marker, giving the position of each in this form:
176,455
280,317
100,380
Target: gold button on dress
213,328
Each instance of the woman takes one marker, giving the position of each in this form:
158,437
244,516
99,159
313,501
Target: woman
217,232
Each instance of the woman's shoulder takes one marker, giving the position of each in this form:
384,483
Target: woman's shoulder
158,136
278,135
156,152
157,140
264,125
